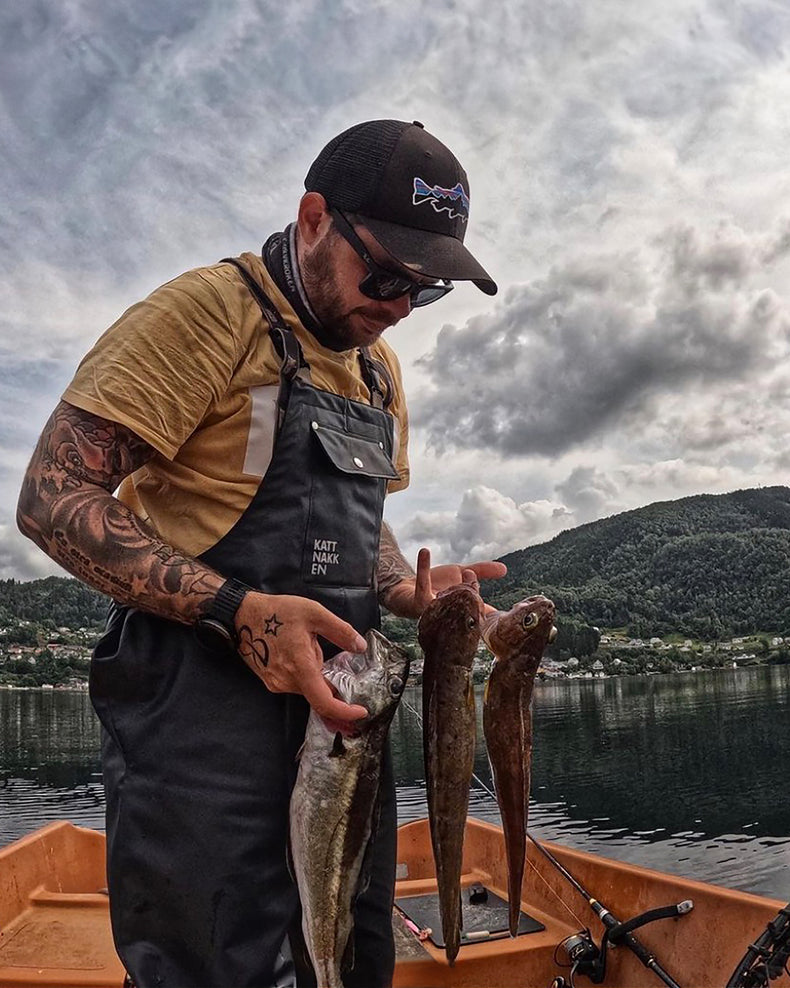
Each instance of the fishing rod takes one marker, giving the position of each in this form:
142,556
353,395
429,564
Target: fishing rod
585,956
589,959
767,957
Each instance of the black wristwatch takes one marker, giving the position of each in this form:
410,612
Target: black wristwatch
217,627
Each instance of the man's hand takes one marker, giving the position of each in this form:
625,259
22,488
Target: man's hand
410,597
278,641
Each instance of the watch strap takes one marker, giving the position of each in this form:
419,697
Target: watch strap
227,602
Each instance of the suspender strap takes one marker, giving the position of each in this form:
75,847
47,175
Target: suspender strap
374,372
377,378
285,343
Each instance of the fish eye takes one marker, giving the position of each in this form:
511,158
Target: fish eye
396,686
530,620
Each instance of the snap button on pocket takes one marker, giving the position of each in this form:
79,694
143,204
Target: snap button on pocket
358,462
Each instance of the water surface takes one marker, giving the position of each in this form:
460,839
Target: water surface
683,773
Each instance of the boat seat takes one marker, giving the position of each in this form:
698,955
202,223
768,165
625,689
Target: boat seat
61,940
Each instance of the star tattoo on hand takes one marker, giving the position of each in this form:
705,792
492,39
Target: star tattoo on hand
272,624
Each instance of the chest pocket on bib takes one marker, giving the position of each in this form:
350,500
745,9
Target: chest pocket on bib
349,481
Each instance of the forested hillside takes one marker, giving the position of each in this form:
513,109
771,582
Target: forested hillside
54,602
707,566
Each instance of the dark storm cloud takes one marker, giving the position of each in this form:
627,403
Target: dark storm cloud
597,343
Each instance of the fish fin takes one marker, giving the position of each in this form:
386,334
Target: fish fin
338,748
366,871
347,960
289,860
298,755
470,694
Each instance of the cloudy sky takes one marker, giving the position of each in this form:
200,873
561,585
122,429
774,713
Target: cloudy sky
630,192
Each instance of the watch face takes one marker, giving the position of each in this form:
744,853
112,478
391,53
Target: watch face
213,634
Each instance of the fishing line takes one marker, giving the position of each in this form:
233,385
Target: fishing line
594,964
485,788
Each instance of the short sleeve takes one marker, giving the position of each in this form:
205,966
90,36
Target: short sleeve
160,367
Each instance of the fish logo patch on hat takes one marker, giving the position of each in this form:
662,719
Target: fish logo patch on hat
455,201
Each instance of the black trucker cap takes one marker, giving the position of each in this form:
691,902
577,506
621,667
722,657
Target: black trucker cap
411,191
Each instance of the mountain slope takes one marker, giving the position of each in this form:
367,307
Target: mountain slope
709,566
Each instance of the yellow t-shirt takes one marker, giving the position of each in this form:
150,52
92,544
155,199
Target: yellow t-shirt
192,371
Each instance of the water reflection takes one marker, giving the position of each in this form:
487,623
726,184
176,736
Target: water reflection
696,753
681,773
49,764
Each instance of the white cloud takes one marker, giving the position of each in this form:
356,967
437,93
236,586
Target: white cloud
563,361
486,524
630,193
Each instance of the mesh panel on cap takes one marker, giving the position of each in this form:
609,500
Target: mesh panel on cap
348,171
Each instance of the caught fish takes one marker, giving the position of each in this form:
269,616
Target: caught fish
449,633
517,638
334,799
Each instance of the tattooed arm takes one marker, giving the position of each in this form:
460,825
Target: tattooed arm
68,509
406,593
392,566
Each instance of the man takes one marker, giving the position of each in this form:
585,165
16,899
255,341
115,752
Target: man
254,421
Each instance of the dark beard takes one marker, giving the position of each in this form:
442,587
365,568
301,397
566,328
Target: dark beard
320,284
320,281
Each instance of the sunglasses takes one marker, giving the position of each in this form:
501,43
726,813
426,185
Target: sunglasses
381,284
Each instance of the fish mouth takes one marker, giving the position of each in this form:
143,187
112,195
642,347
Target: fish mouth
489,622
342,672
487,625
363,678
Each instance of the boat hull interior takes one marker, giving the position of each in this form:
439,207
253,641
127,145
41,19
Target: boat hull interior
55,928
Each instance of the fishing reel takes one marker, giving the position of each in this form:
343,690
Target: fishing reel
587,958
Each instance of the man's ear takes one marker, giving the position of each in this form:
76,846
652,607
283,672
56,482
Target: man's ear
313,219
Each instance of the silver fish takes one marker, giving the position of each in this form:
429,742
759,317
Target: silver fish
333,801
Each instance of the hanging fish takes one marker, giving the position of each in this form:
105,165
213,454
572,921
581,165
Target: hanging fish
449,633
517,638
334,799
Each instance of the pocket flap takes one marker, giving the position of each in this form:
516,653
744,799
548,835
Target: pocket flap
354,454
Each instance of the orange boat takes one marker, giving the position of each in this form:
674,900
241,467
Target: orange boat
55,925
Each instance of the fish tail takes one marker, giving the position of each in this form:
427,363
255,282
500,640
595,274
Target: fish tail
452,945
515,849
448,875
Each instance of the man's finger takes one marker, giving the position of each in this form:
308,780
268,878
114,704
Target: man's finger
423,590
337,631
469,577
488,570
318,693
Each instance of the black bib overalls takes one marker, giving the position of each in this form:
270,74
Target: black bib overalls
199,757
